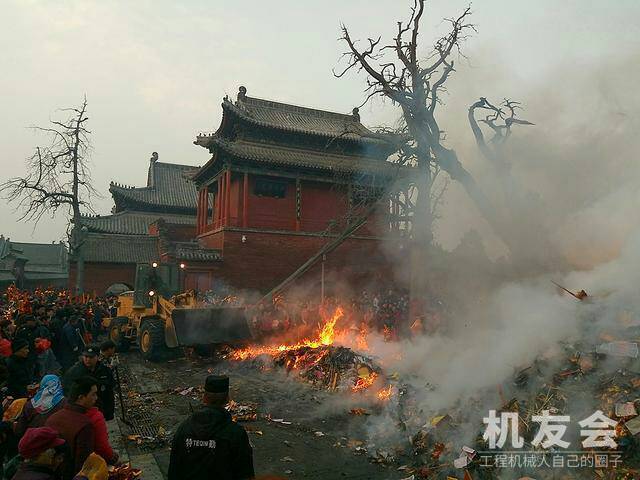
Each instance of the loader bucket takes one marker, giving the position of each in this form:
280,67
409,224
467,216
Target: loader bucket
205,326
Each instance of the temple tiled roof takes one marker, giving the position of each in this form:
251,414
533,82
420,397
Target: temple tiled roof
110,248
297,157
131,222
293,118
168,186
40,257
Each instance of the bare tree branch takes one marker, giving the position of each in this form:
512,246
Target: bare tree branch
58,175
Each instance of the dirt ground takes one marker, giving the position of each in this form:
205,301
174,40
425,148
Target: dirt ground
292,451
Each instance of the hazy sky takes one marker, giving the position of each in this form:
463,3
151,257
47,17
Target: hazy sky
154,72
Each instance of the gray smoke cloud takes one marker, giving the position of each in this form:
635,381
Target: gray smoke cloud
579,159
579,163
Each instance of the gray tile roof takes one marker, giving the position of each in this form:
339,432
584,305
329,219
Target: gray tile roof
293,118
284,155
40,257
168,186
111,248
131,222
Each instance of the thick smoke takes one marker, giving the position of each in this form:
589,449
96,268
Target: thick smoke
579,166
578,161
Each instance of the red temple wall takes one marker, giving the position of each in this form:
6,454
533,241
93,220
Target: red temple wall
100,276
272,213
265,259
320,203
235,203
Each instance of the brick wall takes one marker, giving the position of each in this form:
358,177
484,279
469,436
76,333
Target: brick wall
100,276
265,259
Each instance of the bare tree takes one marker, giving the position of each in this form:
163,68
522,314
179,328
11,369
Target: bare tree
500,120
515,200
395,71
58,178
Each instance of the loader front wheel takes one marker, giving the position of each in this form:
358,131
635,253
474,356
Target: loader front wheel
151,339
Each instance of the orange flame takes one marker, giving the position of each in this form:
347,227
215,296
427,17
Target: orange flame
328,333
386,393
326,336
361,342
364,382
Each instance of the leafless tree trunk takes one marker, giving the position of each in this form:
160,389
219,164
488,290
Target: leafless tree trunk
395,71
515,201
500,119
58,177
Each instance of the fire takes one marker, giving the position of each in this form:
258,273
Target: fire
364,382
361,342
327,333
325,337
386,393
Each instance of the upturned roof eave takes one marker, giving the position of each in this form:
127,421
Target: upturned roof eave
216,144
229,106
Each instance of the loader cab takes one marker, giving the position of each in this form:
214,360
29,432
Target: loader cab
157,318
153,280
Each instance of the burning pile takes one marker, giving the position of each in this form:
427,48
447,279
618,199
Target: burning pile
324,364
596,372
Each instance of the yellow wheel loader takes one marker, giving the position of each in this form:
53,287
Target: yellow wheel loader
156,318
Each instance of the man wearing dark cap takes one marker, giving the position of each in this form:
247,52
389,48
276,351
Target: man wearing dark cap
209,444
90,365
20,372
28,330
70,340
43,452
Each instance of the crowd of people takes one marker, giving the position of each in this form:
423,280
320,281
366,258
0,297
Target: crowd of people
57,386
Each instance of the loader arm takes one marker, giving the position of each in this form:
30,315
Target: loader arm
165,311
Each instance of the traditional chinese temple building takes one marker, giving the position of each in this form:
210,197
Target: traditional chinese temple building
281,181
114,244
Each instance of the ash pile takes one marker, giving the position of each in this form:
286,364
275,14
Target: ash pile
588,383
330,367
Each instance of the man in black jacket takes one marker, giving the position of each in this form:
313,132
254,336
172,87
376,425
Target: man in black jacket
209,444
89,365
19,369
28,330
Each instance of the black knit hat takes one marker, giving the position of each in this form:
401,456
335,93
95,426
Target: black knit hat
216,384
18,344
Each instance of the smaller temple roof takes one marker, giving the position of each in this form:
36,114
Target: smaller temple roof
297,157
131,222
283,116
43,262
168,186
110,248
40,257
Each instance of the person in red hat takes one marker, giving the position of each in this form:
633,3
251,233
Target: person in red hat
43,452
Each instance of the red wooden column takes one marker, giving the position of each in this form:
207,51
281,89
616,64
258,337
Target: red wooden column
227,202
205,208
198,213
214,205
223,197
218,204
201,211
245,200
